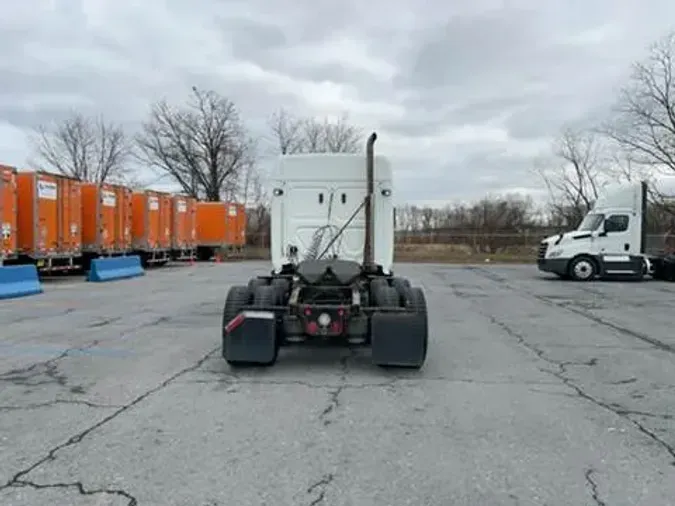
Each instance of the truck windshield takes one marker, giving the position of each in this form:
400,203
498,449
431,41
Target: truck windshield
591,222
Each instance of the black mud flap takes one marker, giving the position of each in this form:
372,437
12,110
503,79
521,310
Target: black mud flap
250,337
399,339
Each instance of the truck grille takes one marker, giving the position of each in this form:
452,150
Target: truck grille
542,251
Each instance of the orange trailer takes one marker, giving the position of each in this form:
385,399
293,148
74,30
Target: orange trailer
220,225
106,219
49,220
183,227
8,213
150,230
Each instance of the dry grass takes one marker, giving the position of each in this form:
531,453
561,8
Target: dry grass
429,253
459,254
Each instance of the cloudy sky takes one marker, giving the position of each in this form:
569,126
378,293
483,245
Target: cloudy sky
463,94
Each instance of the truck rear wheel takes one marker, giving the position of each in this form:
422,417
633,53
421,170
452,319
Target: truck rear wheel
281,286
237,299
386,296
253,285
402,286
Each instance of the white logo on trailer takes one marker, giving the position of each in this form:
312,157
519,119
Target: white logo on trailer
47,190
6,231
109,199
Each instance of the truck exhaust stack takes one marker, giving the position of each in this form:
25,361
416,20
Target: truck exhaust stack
368,256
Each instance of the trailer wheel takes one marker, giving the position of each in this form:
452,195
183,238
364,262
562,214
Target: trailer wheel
583,268
237,299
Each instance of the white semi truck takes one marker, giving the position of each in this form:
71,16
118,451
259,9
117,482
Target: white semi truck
610,242
332,280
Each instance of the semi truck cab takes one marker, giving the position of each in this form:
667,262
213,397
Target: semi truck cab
609,241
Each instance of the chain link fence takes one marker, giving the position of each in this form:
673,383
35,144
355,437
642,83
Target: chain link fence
465,245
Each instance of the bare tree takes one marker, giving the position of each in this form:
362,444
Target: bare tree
203,145
85,148
575,179
311,135
643,120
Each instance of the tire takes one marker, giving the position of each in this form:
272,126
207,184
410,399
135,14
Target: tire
583,268
237,299
402,286
253,285
375,285
418,303
386,296
281,286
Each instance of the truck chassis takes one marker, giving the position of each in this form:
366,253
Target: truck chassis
328,301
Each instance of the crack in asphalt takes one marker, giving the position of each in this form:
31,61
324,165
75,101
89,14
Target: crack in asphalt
561,375
321,486
80,488
596,319
48,368
594,487
48,404
104,322
384,384
334,399
18,479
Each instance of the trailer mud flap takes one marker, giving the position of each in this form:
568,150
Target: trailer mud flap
399,339
251,338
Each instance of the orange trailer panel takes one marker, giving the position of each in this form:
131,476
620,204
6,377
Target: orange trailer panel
221,223
106,215
151,225
165,211
8,212
184,223
235,227
49,215
124,217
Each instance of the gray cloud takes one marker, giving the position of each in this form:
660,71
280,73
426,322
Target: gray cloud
464,95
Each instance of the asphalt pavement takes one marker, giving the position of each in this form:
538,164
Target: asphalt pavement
536,391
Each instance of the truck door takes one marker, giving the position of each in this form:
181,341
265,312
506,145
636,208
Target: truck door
615,235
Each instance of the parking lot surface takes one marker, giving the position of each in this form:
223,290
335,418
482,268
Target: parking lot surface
535,392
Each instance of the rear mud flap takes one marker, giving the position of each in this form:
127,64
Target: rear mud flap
399,339
251,338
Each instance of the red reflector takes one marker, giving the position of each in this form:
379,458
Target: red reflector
308,311
312,328
234,323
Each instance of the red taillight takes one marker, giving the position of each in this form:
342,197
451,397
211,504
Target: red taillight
234,323
340,312
312,328
308,311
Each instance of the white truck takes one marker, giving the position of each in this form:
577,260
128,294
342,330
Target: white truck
332,249
610,242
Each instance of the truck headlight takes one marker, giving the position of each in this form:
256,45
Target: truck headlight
555,253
